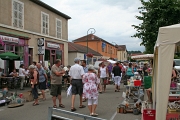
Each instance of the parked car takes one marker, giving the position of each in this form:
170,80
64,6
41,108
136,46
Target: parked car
177,64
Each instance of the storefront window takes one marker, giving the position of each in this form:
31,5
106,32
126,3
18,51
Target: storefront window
9,48
58,54
19,50
47,55
1,48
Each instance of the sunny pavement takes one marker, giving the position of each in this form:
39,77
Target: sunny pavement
106,109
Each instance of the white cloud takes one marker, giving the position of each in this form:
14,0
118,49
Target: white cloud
112,19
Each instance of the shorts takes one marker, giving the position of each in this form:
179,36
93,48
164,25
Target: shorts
42,85
102,80
77,87
56,89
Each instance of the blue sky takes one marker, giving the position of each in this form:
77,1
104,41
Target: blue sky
112,19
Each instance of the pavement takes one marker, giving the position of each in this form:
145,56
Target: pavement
106,108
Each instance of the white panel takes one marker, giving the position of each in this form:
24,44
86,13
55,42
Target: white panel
1,63
17,64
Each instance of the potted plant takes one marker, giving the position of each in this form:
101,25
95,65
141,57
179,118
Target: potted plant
90,55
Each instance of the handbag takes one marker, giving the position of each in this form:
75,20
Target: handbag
173,84
106,82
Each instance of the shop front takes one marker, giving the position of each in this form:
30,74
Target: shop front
53,51
17,46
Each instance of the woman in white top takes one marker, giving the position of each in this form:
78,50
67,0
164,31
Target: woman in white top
22,75
26,70
102,74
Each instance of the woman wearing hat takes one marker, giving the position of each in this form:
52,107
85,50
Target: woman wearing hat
90,89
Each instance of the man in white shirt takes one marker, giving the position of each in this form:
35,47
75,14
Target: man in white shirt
76,72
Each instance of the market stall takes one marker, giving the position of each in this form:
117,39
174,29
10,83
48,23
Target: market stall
168,37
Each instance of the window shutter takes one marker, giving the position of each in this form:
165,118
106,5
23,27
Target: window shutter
18,13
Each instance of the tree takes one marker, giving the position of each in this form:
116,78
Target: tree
155,14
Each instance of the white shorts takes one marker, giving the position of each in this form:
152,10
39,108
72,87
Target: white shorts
117,80
92,101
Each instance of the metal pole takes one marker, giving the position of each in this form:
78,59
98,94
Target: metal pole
92,32
50,111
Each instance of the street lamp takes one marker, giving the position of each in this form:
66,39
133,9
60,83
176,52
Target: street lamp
93,31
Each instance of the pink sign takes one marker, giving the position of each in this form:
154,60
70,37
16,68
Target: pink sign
9,39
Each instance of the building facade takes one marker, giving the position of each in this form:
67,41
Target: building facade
106,49
24,22
79,51
122,54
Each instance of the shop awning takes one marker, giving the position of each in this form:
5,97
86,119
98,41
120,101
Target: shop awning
143,57
12,34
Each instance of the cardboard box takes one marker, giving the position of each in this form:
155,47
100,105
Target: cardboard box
28,96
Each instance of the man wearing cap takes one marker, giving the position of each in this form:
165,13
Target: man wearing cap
76,72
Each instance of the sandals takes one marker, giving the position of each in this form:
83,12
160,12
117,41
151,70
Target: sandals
82,106
84,100
34,104
61,105
73,109
55,106
94,114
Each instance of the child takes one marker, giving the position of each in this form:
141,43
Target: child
5,91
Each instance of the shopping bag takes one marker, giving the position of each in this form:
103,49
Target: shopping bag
69,91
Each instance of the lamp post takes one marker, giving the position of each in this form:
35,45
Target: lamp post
115,47
93,31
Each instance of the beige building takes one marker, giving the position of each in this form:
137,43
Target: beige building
79,51
25,24
122,53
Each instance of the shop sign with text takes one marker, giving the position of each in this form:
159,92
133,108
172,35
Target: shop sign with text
52,45
9,39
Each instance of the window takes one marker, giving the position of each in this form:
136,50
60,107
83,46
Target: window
17,14
58,28
58,54
19,50
44,23
103,49
9,48
47,55
1,47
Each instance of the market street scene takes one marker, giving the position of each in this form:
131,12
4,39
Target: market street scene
89,60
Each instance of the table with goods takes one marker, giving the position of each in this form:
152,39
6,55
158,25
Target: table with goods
133,96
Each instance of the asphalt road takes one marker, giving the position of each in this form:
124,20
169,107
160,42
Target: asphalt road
106,109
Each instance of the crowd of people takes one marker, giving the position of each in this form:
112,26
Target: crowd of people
85,80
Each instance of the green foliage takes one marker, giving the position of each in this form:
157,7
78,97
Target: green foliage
133,52
176,57
155,14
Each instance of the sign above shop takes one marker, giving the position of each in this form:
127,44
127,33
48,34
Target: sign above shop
52,45
41,47
9,39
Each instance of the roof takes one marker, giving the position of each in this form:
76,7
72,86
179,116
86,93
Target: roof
90,37
13,34
73,47
121,47
50,8
135,54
